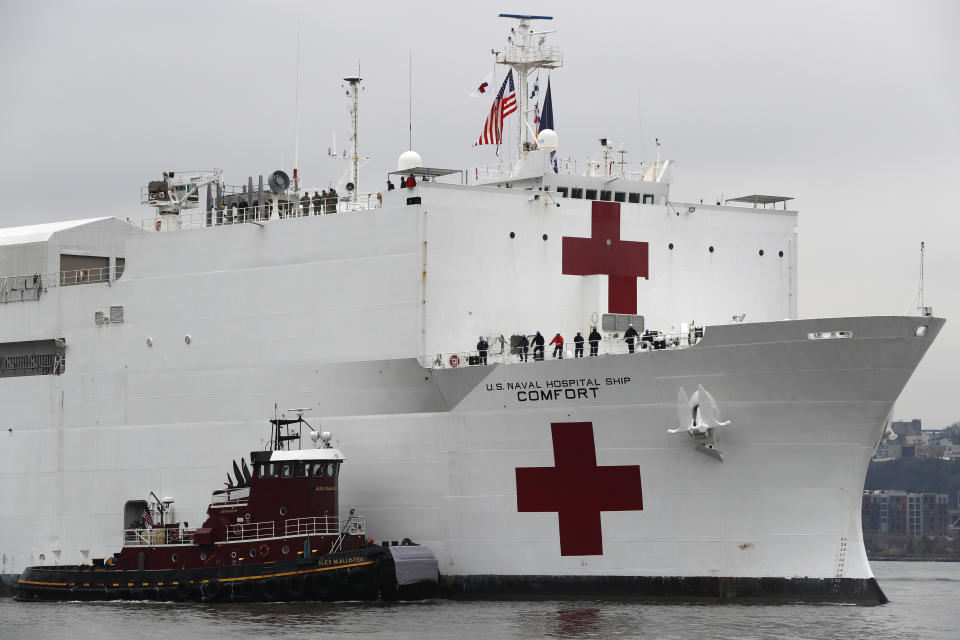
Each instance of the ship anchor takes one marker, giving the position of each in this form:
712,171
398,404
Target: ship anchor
700,418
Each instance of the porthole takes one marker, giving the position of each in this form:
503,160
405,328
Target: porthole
513,235
246,516
203,556
670,246
283,511
544,237
233,554
285,549
43,557
711,248
609,242
780,254
175,558
253,553
761,252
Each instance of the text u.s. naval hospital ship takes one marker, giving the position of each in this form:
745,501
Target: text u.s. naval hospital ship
724,459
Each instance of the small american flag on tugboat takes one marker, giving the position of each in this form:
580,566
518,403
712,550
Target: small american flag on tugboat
503,105
147,518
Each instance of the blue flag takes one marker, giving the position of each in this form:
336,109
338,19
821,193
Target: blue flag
546,116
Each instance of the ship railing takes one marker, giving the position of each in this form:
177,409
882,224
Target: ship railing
157,536
319,525
250,530
505,354
568,166
253,213
31,287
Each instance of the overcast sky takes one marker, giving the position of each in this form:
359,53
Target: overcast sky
852,108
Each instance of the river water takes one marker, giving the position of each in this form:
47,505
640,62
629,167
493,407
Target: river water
924,604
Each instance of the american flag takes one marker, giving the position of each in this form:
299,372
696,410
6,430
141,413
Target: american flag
503,105
147,518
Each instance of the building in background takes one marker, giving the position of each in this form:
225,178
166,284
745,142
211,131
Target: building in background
899,513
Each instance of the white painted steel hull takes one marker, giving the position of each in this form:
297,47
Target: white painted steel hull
338,312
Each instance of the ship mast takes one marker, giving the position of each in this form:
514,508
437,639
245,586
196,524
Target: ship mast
527,51
354,94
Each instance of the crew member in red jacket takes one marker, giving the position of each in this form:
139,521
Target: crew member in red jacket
558,349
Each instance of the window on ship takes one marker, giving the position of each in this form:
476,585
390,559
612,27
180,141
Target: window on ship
648,198
605,195
620,196
591,194
576,192
562,191
635,198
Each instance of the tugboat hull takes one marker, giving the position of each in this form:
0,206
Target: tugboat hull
370,573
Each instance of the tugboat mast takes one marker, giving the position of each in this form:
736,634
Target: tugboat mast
525,52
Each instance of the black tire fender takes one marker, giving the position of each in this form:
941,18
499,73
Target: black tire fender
212,589
296,585
269,589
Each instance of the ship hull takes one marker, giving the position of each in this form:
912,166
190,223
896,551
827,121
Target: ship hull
777,518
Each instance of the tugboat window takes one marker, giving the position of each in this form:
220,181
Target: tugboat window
318,469
287,470
330,469
301,469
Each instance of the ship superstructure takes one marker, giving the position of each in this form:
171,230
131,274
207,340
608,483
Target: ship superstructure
724,458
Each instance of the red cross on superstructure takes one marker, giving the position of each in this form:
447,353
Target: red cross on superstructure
605,253
577,489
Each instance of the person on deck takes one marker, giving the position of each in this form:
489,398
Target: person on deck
538,346
305,204
390,186
523,348
482,347
594,339
629,336
578,345
558,349
334,198
317,204
411,182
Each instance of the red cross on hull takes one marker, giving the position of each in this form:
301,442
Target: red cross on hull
577,489
605,253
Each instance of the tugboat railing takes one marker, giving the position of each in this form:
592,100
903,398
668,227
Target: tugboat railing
310,526
319,525
157,537
250,531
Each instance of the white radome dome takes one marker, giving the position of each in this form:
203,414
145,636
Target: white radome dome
548,139
409,160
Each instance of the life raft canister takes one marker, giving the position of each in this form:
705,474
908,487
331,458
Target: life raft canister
454,360
158,225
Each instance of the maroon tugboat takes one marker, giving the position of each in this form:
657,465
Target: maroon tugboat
273,534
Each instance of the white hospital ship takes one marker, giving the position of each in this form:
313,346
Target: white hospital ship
725,463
